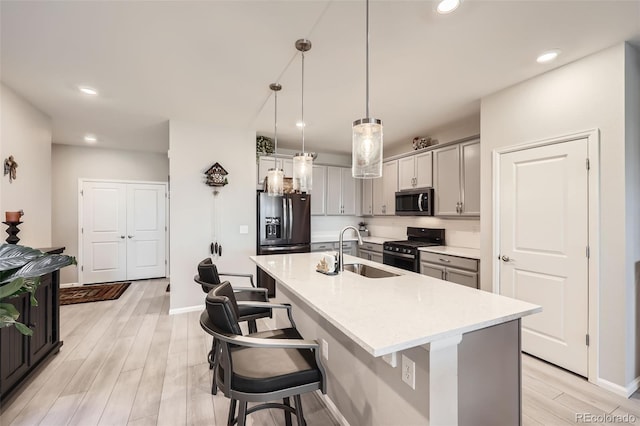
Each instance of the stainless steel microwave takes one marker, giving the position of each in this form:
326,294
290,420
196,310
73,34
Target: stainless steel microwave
415,202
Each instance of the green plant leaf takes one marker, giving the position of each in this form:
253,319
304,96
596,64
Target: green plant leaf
11,288
41,266
8,311
23,329
13,256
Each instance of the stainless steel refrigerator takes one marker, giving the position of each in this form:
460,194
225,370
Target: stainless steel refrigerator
284,226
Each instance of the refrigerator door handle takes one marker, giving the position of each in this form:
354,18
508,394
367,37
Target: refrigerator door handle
285,233
290,218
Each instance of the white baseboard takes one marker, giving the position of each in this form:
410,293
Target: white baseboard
179,311
334,410
624,391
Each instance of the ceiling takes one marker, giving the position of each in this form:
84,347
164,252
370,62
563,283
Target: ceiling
212,62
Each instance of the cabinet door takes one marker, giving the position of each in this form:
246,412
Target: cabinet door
14,347
446,180
264,164
424,170
376,257
318,191
470,197
390,186
348,196
458,276
287,167
334,183
432,270
41,320
378,195
406,173
367,196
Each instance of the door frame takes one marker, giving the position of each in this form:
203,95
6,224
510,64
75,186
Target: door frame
592,137
81,182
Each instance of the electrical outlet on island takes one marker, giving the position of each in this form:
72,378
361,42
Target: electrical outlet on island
409,371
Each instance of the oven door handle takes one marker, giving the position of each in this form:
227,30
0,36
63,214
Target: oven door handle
392,253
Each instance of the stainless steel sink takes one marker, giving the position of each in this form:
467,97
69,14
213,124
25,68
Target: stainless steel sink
368,271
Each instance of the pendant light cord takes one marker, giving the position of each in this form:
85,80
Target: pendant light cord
302,117
275,130
367,56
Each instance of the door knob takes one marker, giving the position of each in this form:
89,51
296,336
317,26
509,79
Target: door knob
505,258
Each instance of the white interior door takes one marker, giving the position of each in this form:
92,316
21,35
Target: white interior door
543,247
104,226
146,232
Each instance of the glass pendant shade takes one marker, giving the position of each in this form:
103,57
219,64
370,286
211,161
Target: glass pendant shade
303,172
367,149
275,182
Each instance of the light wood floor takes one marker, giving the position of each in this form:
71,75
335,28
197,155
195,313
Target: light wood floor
127,362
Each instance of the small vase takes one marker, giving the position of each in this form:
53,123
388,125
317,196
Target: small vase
13,216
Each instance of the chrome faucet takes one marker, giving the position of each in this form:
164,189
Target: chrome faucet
340,254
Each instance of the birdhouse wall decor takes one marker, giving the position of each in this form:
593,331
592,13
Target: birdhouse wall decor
216,175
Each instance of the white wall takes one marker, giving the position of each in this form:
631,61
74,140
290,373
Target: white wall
25,133
632,170
454,131
583,95
70,163
193,149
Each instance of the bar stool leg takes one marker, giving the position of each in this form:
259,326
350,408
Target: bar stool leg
287,413
242,413
232,412
299,413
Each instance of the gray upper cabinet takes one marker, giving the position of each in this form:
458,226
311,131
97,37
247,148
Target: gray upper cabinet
415,171
318,191
384,189
367,197
456,179
266,162
341,191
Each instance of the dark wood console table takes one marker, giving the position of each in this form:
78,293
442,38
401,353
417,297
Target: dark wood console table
20,355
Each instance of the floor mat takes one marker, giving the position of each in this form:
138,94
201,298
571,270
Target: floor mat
92,293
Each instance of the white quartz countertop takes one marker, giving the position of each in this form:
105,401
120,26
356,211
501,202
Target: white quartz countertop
387,315
376,240
454,251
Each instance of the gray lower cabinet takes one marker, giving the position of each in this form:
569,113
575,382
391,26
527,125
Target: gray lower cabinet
371,251
459,270
348,247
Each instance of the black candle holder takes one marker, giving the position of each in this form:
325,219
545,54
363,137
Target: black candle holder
12,230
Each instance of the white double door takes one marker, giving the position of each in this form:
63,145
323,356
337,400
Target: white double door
123,231
543,252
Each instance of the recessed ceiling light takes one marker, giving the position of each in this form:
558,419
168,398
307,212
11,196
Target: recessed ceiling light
88,90
447,6
300,124
548,56
90,139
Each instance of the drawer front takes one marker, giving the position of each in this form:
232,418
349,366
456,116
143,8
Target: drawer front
446,260
372,247
323,246
432,270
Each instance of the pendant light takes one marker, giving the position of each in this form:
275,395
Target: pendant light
275,176
367,135
303,161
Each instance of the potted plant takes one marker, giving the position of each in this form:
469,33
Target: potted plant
20,271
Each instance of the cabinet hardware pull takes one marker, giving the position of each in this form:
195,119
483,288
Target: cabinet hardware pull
129,236
122,236
445,260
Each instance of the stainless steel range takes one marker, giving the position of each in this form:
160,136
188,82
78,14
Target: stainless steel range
404,254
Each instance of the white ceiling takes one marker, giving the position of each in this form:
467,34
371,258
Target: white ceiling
213,61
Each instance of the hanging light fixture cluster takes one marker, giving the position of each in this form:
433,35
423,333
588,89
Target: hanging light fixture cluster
303,161
275,176
366,155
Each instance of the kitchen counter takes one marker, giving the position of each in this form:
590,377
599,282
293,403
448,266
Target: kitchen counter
463,343
454,251
435,309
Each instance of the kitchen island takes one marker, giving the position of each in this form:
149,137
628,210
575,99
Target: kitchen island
465,343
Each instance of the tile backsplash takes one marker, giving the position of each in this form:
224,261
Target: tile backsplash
458,232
